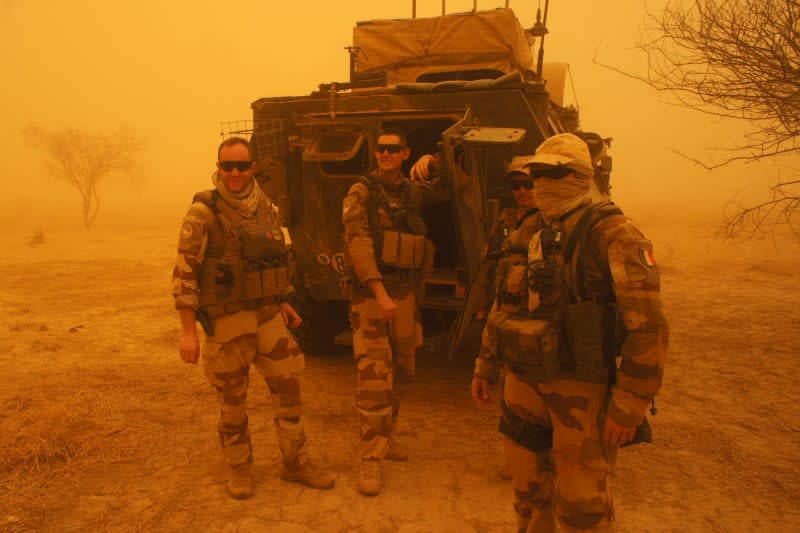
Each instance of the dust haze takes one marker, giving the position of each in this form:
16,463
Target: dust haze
174,71
89,311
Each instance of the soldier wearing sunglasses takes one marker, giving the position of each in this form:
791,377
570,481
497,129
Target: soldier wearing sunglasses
387,251
507,243
232,275
583,350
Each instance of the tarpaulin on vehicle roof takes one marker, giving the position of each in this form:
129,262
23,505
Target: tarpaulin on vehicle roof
409,47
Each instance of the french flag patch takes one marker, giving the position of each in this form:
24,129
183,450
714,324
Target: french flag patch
647,256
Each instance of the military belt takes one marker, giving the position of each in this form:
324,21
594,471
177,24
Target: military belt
531,436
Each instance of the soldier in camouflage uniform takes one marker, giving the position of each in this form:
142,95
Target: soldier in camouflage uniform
386,250
586,295
232,275
512,230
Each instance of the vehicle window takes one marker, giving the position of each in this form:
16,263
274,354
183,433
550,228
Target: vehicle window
339,152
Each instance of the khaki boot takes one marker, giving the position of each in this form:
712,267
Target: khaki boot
240,481
369,476
397,452
307,474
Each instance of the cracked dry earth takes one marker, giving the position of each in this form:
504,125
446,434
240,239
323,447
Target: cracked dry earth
102,428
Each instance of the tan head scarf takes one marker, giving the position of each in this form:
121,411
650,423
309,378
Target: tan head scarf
245,202
556,197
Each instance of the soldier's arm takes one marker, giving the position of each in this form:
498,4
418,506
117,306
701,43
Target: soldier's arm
357,237
636,285
486,365
288,288
191,250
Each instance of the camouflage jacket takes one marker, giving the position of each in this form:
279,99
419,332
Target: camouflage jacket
499,233
618,264
200,221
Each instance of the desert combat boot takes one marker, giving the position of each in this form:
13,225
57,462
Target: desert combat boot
369,476
307,474
240,481
397,452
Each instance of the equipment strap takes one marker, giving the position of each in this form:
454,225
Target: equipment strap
531,436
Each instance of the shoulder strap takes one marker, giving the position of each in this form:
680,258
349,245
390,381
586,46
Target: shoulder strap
208,197
578,237
587,221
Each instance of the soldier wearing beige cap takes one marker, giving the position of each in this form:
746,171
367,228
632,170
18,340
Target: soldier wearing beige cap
586,298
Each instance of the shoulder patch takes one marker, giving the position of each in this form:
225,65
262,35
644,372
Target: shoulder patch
186,231
647,256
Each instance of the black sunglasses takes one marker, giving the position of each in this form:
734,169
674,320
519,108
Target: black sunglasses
555,173
391,148
518,184
241,166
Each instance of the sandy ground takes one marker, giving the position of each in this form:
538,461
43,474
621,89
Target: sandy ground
102,428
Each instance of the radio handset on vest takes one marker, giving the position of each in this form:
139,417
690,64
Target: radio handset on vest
543,273
223,275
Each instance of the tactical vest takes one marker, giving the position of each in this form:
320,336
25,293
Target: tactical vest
575,330
246,260
403,246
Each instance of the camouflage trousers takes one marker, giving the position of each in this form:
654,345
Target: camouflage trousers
385,354
258,338
578,498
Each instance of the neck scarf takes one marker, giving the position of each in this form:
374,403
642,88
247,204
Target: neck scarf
245,202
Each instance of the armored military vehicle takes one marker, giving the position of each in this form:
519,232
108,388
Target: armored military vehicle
463,86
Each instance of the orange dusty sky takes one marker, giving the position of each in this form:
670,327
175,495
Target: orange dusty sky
174,70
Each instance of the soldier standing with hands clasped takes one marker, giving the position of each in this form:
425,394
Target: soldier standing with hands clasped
232,274
586,295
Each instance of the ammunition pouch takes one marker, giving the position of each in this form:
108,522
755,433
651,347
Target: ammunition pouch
403,250
511,284
531,436
583,340
527,346
230,285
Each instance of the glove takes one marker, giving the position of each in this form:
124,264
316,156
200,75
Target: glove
543,276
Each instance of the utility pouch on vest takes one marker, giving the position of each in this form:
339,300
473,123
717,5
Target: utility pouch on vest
263,243
584,338
529,347
515,281
405,251
252,285
221,282
419,250
391,243
273,280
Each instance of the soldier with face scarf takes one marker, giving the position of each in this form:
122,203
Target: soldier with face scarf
583,349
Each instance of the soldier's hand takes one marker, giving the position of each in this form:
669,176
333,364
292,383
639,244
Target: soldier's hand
543,276
290,317
422,168
480,314
189,347
615,434
388,306
480,391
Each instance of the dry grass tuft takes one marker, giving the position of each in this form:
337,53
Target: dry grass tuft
55,431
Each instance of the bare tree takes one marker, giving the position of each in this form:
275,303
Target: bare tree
83,159
737,59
